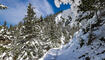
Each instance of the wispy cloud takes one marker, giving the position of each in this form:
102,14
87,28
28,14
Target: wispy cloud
17,9
13,15
42,6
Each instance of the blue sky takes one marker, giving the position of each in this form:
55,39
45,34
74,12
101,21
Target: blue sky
17,9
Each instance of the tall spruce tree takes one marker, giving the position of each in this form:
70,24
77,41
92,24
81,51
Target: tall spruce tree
30,14
10,27
28,19
5,23
4,27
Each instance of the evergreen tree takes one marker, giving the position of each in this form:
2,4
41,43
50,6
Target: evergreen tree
41,18
5,23
91,6
30,14
28,20
5,28
10,27
87,5
20,25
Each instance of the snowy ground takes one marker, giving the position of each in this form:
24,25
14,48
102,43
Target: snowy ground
88,43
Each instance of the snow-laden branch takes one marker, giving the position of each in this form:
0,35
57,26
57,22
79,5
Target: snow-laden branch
3,7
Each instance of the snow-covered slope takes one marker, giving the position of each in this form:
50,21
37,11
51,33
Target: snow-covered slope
83,46
81,36
87,42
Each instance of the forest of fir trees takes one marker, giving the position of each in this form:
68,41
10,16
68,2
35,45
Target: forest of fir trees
44,30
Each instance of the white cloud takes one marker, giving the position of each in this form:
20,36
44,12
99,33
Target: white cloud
17,10
42,6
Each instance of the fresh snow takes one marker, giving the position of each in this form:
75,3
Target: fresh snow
73,51
79,47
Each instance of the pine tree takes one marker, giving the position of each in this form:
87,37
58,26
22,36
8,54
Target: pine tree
87,5
5,23
5,28
41,18
20,25
10,27
91,6
28,20
30,14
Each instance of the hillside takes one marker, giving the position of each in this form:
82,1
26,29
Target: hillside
74,34
30,39
88,35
